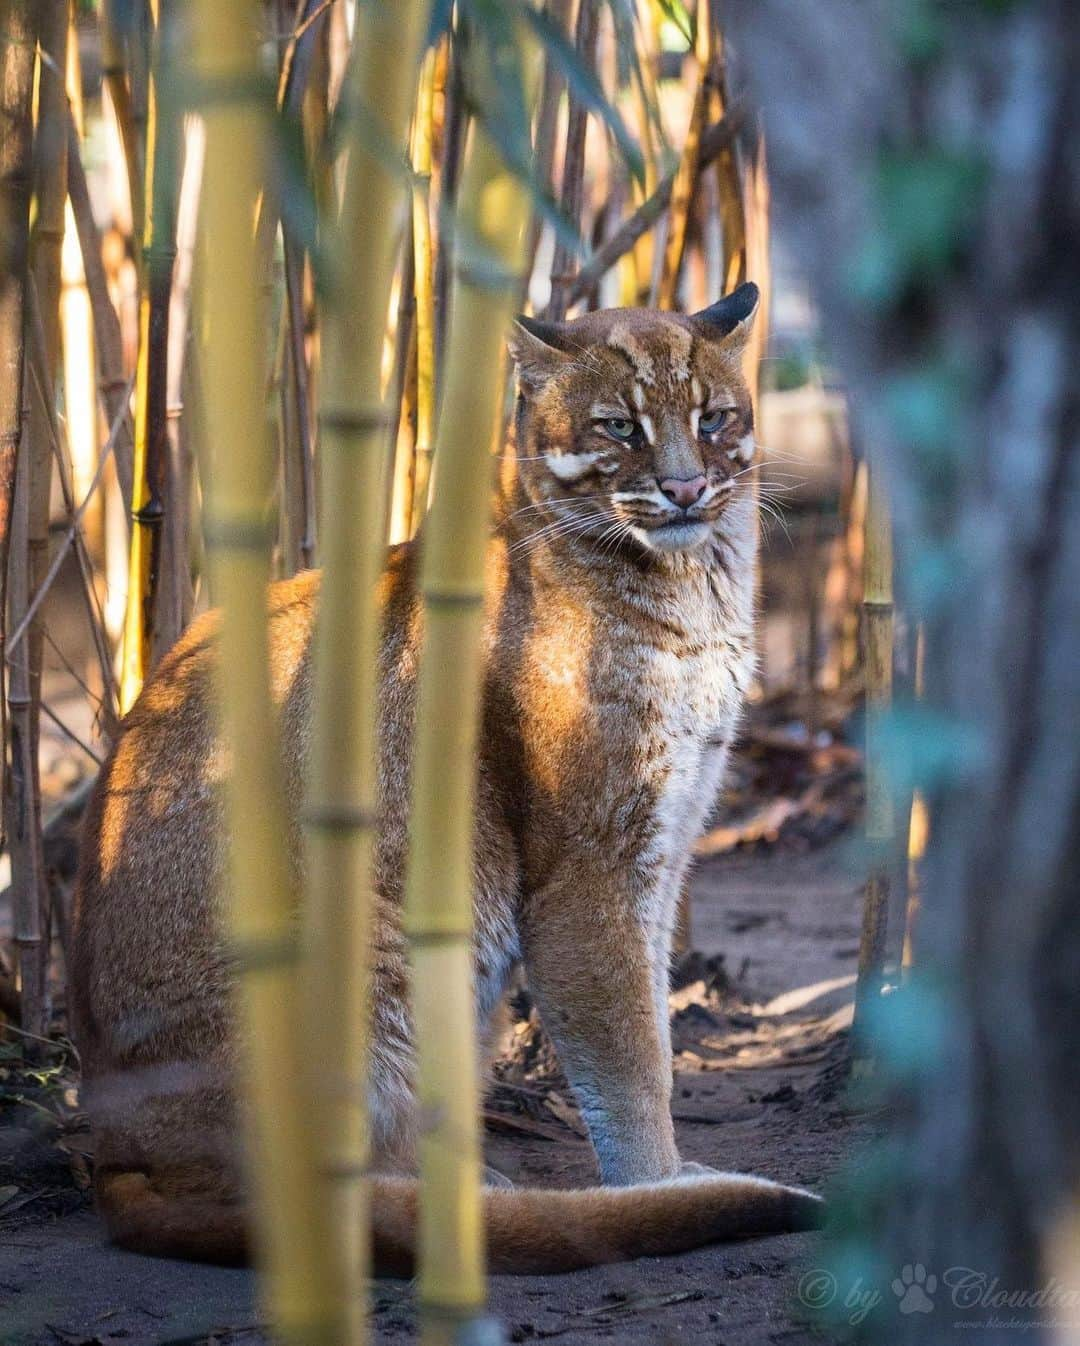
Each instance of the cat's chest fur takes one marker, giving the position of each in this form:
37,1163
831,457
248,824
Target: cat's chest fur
633,700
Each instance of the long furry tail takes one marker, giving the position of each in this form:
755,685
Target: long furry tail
528,1231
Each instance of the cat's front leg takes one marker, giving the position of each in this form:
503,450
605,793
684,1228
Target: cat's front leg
590,961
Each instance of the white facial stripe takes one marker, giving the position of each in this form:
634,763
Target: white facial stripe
745,448
695,388
653,497
621,338
570,466
647,427
695,417
639,397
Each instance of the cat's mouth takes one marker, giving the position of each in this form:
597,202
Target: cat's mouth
676,533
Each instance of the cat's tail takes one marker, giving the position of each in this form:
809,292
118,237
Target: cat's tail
529,1231
532,1231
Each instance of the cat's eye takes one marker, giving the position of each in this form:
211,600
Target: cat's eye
708,425
620,428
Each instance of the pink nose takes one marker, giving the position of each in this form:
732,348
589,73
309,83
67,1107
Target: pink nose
683,493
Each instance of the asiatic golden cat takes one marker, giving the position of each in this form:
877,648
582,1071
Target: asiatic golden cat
618,649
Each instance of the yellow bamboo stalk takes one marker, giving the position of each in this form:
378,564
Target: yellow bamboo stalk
880,820
259,911
918,829
424,281
147,510
340,807
77,335
493,210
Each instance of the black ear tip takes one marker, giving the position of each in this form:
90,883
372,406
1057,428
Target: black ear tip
733,309
747,294
549,333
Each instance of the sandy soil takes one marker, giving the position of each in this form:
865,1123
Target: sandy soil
760,1042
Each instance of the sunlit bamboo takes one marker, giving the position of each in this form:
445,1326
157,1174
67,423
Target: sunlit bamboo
151,447
423,280
880,822
260,914
493,209
339,813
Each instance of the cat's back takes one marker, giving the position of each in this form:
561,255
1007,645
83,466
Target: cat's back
146,935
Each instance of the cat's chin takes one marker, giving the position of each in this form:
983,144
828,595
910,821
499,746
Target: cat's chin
674,537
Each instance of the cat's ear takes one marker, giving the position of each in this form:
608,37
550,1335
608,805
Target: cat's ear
731,319
537,349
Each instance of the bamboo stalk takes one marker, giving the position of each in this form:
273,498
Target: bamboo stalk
23,837
423,280
880,820
299,453
647,214
547,124
918,829
151,383
340,808
402,399
108,336
17,63
114,73
493,210
260,914
30,540
686,176
648,103
571,199
46,247
175,596
77,330
455,122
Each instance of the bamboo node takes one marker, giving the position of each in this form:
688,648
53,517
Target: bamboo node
261,953
356,420
453,598
337,817
484,273
238,534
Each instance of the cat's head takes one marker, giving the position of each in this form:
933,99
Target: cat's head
637,424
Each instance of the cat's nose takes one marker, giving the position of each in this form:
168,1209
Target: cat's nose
683,493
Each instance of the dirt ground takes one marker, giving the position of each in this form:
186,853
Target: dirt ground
760,1035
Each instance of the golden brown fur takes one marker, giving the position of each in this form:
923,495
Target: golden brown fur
617,651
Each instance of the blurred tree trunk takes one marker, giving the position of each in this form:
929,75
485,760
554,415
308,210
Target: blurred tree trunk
930,176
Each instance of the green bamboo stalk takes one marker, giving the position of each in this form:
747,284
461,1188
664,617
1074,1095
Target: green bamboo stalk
880,824
339,812
290,1224
151,382
493,211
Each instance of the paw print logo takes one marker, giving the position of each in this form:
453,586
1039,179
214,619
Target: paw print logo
914,1289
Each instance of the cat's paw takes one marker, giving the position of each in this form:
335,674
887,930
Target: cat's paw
493,1178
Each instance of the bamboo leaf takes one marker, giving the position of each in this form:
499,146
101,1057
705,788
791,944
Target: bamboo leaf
585,86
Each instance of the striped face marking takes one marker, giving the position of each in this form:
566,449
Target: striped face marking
743,451
573,466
